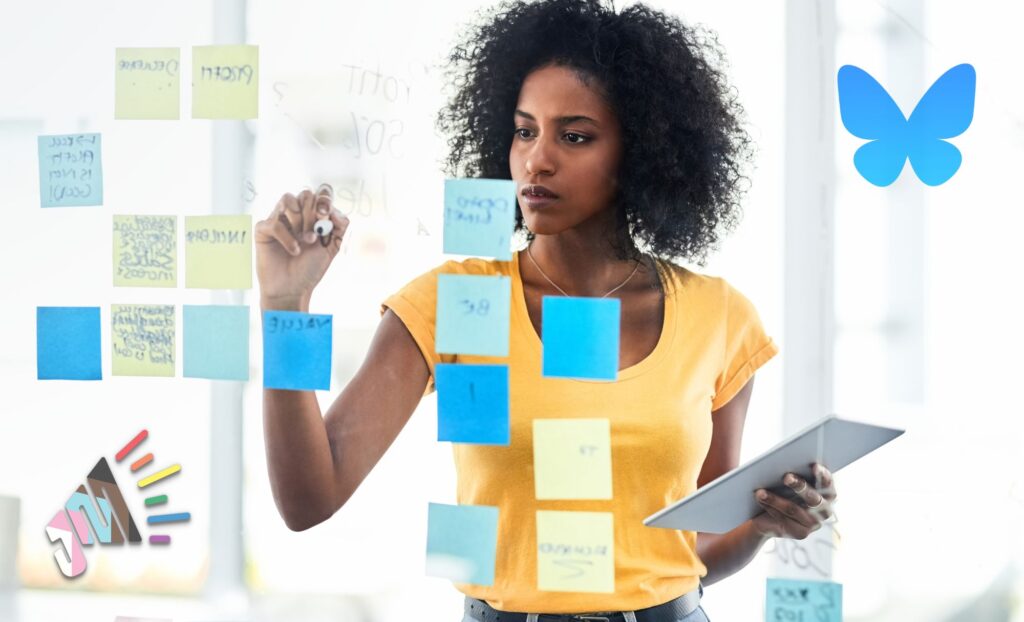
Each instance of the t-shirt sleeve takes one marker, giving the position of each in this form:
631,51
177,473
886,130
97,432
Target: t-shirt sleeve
416,306
747,347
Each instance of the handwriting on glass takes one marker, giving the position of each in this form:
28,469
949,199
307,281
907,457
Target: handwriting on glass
145,248
144,333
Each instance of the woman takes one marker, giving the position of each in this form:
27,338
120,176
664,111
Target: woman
626,148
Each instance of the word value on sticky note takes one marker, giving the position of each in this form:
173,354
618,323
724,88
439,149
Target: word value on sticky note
462,541
572,458
147,83
479,217
216,342
575,551
145,251
790,600
296,350
68,343
142,340
225,81
580,337
472,403
218,252
473,314
70,170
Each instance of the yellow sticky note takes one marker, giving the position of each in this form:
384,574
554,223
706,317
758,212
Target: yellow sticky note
575,551
147,83
142,340
572,458
225,81
145,251
218,252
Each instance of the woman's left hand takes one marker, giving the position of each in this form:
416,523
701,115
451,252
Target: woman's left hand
783,518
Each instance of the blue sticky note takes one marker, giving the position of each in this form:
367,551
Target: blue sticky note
580,337
68,343
216,343
479,217
70,171
789,599
461,542
472,403
296,350
473,314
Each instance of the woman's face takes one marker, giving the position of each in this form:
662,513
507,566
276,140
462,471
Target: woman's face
568,140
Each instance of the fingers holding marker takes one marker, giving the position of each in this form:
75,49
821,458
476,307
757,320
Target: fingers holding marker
277,230
291,213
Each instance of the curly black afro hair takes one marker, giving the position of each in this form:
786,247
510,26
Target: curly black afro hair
684,147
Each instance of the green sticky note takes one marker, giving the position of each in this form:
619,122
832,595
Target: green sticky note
145,251
225,82
218,252
147,83
143,340
572,458
575,551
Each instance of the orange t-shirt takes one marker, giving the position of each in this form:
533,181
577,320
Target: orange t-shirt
659,409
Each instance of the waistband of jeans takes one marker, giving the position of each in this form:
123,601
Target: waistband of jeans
672,611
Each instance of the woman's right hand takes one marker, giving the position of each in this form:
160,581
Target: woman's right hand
290,258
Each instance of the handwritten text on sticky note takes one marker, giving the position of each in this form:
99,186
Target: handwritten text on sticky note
472,403
68,343
218,252
70,170
462,542
479,217
225,82
580,337
296,350
143,340
147,83
145,251
575,551
790,600
572,458
473,314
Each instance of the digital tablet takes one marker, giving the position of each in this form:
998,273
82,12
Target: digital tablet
725,503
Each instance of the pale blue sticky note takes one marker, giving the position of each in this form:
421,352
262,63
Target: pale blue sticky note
68,343
472,403
296,350
789,599
473,314
580,337
216,343
70,171
479,217
461,542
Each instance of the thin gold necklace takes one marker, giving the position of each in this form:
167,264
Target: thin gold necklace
530,253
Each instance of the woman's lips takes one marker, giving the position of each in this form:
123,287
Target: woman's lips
536,196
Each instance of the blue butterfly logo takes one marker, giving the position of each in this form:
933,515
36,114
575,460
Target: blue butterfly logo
869,112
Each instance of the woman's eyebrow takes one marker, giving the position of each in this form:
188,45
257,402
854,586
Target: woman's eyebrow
562,120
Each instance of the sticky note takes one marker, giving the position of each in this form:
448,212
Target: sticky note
142,340
70,170
472,403
145,251
216,342
789,599
225,81
580,337
473,314
479,217
68,343
218,252
296,350
572,458
147,83
462,541
575,551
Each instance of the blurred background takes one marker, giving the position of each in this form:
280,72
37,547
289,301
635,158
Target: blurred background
895,305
